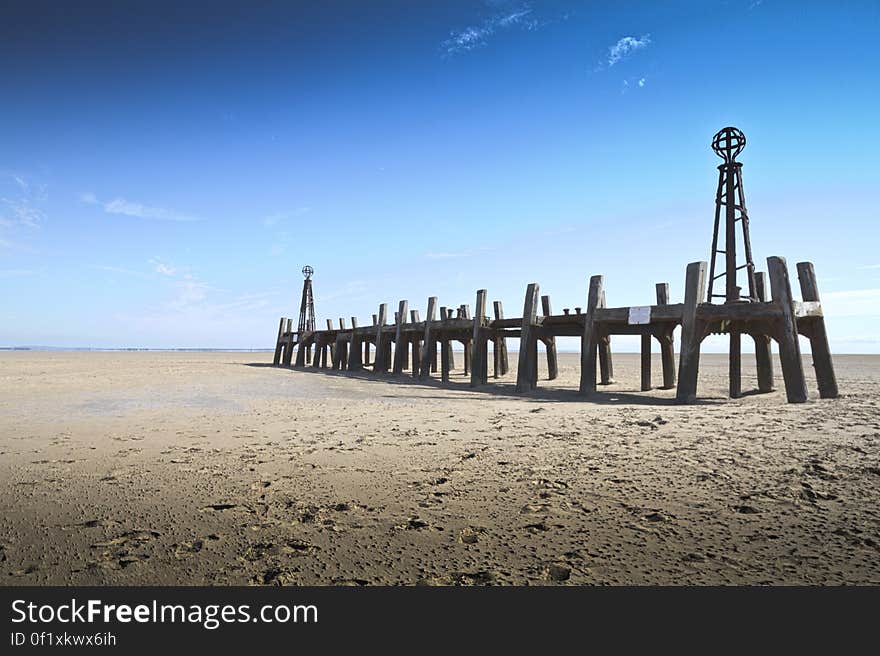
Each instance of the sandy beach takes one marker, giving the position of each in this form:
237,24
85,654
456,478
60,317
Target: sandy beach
136,468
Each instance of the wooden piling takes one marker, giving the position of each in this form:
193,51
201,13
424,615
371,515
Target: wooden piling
822,363
304,340
735,364
667,345
550,343
480,341
691,337
276,359
528,361
400,345
590,338
606,367
763,355
427,347
787,333
380,364
646,361
356,350
332,346
445,313
501,342
288,344
415,344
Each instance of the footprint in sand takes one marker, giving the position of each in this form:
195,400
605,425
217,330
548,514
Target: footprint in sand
482,577
218,507
350,582
471,534
117,553
412,524
556,572
276,576
184,549
746,510
263,550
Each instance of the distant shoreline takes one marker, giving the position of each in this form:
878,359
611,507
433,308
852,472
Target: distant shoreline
134,348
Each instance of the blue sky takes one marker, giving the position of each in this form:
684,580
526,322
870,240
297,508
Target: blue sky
166,170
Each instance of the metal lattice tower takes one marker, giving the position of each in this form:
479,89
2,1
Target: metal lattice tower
727,144
307,306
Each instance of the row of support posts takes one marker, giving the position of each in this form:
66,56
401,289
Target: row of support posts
781,319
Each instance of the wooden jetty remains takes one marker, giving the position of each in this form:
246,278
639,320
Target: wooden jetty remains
406,344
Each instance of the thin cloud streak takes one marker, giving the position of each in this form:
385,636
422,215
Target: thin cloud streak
477,36
625,46
125,207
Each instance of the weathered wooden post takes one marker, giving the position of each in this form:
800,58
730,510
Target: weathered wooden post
787,334
332,345
825,377
646,359
279,346
415,344
400,345
301,349
527,371
550,343
445,358
735,364
427,348
763,354
355,356
590,339
446,314
500,347
465,313
691,333
667,347
480,341
288,344
606,368
319,346
380,364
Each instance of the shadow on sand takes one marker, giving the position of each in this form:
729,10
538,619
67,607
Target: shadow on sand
458,382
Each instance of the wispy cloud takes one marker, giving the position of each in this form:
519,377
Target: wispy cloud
477,36
870,266
162,267
21,207
851,303
21,211
137,210
279,217
625,46
16,273
189,292
634,83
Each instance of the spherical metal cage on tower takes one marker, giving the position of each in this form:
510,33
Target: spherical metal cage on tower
728,143
307,271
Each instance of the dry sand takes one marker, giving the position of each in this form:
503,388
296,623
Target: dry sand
214,468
